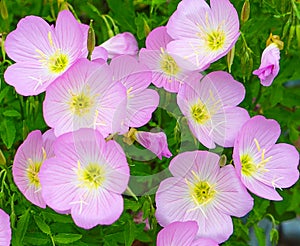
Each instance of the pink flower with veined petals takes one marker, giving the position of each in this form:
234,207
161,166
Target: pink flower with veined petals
85,97
183,234
121,44
42,53
210,106
27,163
141,101
86,177
166,72
269,66
155,142
263,165
5,230
203,34
203,192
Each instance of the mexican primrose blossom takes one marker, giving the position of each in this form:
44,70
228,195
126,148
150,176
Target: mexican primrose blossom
202,34
86,177
269,66
85,97
27,163
5,230
203,192
121,44
183,234
42,52
210,108
263,165
166,72
141,102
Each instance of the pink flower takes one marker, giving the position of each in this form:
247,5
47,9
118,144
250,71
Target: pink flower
141,102
210,108
155,142
269,66
42,53
261,164
121,44
85,97
183,234
166,72
27,163
86,177
5,230
202,34
201,191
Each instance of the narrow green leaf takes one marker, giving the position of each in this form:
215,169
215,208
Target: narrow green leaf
8,132
66,238
129,233
21,229
11,113
42,225
260,235
36,238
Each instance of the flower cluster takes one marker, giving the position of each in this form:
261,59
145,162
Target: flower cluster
77,168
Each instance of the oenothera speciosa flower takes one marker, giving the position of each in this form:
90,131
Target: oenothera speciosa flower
210,106
263,165
85,97
5,231
203,34
27,163
86,178
203,192
43,52
183,234
141,101
166,72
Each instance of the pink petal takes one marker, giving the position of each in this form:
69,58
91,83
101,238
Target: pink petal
5,230
158,38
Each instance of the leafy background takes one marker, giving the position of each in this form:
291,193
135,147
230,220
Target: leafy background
19,115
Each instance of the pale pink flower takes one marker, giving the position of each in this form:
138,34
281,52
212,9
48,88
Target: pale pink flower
269,66
86,177
261,164
28,160
141,101
210,106
166,72
155,142
5,230
85,97
201,191
121,44
42,52
183,234
202,34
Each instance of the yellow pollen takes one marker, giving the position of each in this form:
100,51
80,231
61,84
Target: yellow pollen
169,65
50,38
129,94
58,62
215,40
81,104
32,173
200,113
92,176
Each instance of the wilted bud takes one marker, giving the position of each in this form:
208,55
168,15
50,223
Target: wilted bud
91,40
276,40
230,58
2,158
222,161
245,11
3,10
129,137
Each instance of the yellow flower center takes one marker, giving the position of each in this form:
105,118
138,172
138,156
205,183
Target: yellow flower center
169,65
32,173
203,193
92,176
81,104
215,40
200,113
58,62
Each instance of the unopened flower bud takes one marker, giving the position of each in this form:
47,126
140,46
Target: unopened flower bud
245,11
3,10
222,161
298,34
230,58
91,40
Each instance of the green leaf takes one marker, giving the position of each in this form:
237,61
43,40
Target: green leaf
129,233
12,113
36,238
66,238
260,235
8,132
42,225
21,230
